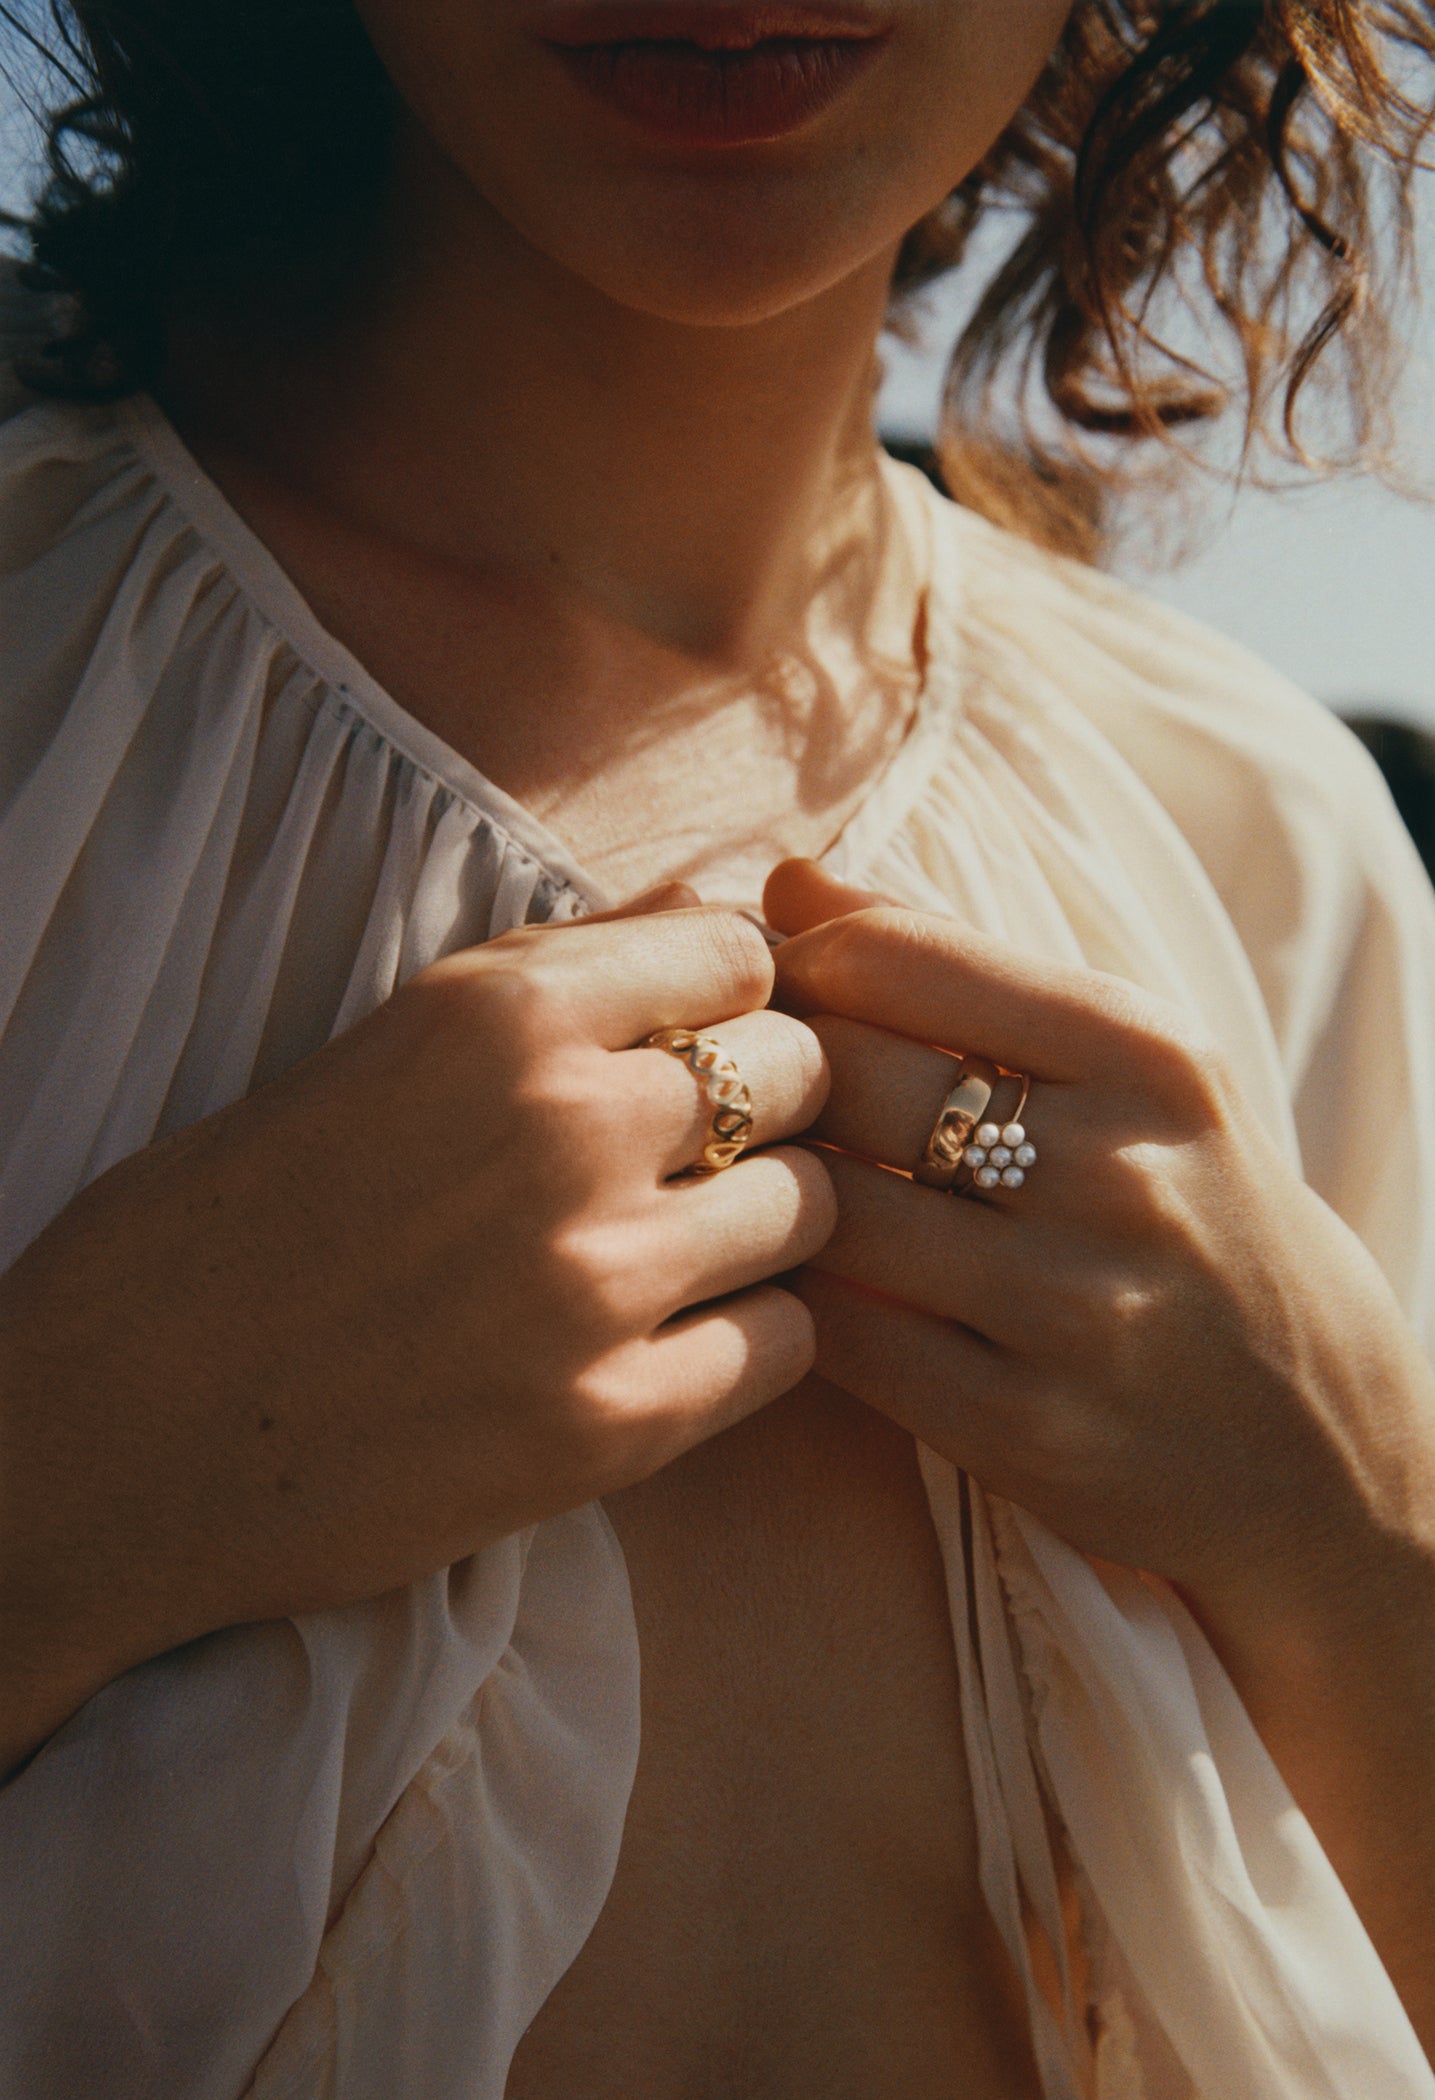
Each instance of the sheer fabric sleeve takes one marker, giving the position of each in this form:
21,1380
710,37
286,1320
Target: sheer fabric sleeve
378,1835
356,1848
1358,1029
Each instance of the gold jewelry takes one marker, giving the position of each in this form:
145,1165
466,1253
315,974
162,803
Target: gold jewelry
726,1090
999,1153
951,1133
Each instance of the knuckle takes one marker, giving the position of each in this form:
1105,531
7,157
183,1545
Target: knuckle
507,1002
524,995
850,954
1171,1052
1093,1314
674,896
560,1131
559,1102
596,1290
834,956
738,954
1137,1020
1143,1199
850,939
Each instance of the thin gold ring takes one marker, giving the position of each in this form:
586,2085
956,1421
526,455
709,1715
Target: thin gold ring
725,1088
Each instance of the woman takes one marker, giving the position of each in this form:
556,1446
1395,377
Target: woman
454,439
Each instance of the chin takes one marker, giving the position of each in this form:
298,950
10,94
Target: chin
713,287
718,255
588,127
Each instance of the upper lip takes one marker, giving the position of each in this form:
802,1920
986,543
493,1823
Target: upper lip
714,25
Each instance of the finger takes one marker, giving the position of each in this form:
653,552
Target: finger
705,1370
782,1066
946,1385
886,1091
617,981
939,1254
935,981
799,894
768,1214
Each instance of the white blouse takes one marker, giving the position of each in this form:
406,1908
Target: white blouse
349,1855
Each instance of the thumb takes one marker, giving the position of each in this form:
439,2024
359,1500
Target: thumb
799,894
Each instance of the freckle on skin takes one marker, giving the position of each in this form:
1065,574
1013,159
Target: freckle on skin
266,1422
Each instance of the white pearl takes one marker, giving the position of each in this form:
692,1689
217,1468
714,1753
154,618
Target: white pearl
1013,1134
987,1177
987,1134
1025,1155
1000,1155
1012,1177
975,1155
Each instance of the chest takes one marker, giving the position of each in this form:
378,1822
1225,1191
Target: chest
796,1907
650,757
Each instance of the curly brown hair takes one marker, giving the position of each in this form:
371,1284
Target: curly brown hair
1212,197
1215,206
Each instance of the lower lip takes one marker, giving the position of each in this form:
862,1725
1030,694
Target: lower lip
689,96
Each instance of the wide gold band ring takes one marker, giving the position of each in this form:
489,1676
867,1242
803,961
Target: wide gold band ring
725,1088
962,1110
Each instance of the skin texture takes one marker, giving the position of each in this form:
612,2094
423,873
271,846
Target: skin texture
582,469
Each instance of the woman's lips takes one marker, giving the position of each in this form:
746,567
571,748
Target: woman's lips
705,93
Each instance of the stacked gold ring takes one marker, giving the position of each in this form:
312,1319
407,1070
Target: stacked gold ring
964,1152
725,1088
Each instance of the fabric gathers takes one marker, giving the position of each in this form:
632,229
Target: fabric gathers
352,1853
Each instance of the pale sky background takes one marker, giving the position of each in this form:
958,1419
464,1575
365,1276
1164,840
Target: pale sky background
1335,584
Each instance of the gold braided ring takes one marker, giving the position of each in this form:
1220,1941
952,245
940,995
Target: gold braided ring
726,1091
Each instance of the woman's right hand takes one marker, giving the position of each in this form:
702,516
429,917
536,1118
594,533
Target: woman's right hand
433,1284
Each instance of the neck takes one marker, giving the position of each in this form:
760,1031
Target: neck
482,406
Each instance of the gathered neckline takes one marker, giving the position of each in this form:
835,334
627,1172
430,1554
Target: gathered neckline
890,796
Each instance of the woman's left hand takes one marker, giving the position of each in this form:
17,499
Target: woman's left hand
1165,1345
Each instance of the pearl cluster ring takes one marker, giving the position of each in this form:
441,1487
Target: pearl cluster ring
999,1156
